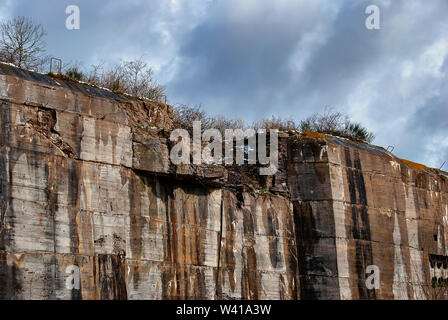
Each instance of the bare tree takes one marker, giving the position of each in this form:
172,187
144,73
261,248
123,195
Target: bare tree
94,75
276,123
21,43
222,123
184,116
114,79
140,81
134,72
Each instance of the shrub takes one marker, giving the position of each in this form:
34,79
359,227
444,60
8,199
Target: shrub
184,116
75,73
330,122
131,77
276,123
337,124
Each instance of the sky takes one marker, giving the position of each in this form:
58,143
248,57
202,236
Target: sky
251,59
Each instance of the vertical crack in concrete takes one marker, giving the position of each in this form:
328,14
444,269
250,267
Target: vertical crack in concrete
361,223
218,292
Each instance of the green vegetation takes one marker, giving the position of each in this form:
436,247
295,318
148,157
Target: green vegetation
337,124
74,73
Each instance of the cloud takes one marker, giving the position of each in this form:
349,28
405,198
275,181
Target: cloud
255,58
111,30
299,58
243,58
6,6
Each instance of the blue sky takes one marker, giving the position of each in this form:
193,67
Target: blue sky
254,58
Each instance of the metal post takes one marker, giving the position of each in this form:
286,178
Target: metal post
59,65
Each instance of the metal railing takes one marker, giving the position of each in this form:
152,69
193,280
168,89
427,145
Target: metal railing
53,64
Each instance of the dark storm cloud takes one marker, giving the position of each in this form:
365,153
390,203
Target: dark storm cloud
251,59
385,78
241,60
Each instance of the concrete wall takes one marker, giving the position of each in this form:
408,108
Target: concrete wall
85,180
362,206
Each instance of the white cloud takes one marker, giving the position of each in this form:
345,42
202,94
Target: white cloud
253,58
5,12
436,151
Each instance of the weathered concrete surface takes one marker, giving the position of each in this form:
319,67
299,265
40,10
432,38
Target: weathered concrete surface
79,187
357,205
86,181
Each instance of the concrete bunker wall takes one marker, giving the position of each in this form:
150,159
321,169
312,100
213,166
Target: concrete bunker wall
86,181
